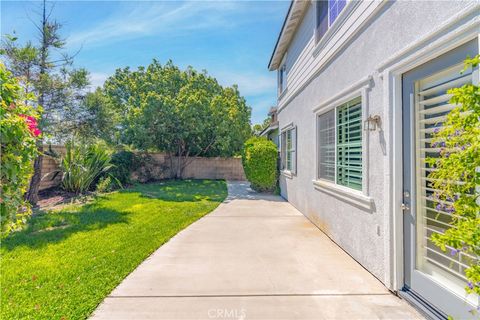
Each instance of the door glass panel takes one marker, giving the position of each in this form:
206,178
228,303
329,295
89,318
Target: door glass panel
432,105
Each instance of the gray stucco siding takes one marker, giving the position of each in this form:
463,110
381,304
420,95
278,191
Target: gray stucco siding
364,234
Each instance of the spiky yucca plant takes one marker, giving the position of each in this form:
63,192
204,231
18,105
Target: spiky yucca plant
83,164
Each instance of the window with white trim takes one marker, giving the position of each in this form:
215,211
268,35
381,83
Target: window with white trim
289,150
340,145
282,79
327,12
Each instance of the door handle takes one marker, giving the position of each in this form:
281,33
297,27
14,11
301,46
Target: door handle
404,207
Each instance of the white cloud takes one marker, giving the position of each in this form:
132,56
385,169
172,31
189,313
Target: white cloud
147,19
249,83
97,79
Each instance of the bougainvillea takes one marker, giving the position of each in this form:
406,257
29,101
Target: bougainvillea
457,178
32,125
18,134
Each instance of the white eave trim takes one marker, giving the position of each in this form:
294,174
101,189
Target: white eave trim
268,130
293,19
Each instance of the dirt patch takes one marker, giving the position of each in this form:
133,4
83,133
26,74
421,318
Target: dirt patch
56,198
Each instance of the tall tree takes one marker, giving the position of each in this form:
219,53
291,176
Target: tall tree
45,70
182,112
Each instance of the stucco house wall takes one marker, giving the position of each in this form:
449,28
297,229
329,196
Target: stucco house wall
363,233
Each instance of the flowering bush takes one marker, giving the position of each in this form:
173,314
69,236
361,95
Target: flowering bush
18,133
457,177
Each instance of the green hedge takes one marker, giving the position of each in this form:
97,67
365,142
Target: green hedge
123,165
260,163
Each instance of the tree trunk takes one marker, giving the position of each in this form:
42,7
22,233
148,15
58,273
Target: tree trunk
171,166
32,193
178,175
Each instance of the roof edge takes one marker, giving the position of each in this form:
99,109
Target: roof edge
280,34
295,7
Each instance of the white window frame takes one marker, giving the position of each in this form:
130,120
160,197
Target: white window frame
288,172
282,77
358,198
319,37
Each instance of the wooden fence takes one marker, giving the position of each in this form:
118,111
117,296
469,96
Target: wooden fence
158,168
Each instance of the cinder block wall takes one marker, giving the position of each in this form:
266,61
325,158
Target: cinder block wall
198,168
51,174
215,168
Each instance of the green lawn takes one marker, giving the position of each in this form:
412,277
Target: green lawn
66,262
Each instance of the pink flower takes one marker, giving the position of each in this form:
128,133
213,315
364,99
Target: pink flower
32,125
36,132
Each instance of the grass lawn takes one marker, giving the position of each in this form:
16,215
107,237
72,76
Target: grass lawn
66,262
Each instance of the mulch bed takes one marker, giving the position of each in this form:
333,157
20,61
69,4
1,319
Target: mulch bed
54,196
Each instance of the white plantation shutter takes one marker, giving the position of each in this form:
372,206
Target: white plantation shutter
283,150
349,144
294,150
289,150
326,145
432,105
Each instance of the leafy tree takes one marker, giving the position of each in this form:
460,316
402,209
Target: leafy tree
18,135
457,177
182,112
99,119
43,69
259,127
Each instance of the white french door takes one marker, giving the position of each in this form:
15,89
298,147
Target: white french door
436,277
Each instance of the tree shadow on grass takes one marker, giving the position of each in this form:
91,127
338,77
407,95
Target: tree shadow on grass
54,227
183,190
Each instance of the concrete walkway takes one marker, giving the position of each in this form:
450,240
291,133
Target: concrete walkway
254,257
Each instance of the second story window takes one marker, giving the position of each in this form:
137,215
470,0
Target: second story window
282,79
327,12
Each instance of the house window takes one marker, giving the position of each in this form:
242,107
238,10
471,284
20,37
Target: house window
327,12
340,145
326,136
289,150
282,79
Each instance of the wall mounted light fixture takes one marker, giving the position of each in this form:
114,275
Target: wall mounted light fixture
372,123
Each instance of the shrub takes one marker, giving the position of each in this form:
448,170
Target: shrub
18,134
124,162
260,163
82,165
457,177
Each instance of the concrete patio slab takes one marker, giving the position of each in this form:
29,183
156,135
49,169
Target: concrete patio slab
254,257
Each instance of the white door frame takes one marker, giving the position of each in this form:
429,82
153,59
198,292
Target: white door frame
458,30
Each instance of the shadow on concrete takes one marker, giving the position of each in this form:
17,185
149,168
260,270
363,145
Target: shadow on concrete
241,190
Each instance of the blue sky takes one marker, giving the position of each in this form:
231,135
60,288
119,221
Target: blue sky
232,40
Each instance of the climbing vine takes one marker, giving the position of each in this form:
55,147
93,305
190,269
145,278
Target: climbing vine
456,176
